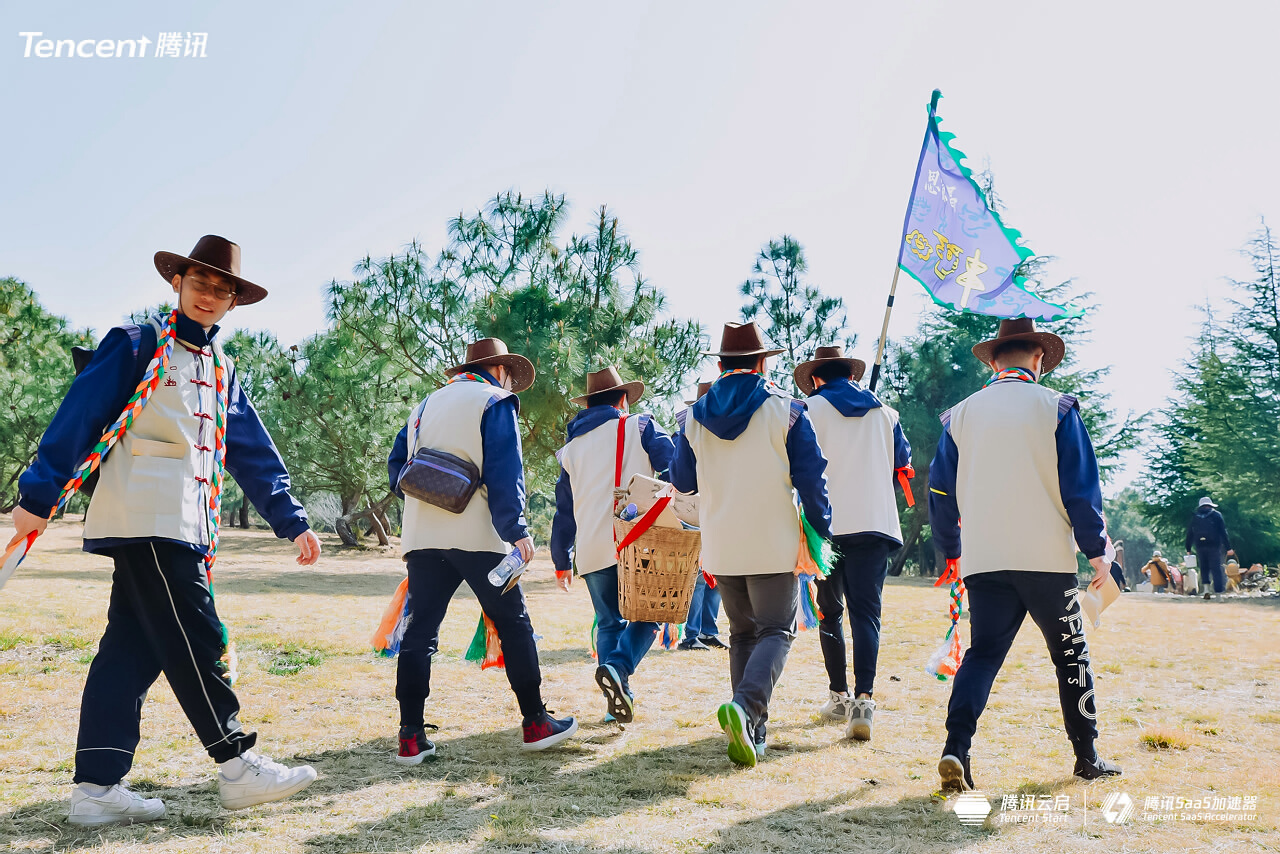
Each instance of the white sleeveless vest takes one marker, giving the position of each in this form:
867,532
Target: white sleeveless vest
590,461
1011,512
451,423
750,520
859,454
155,481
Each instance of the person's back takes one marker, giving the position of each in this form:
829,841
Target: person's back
1207,536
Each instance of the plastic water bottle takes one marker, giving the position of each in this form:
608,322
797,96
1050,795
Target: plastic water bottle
511,564
629,513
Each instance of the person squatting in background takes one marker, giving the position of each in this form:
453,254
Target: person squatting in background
866,451
605,446
154,513
474,417
1015,462
747,448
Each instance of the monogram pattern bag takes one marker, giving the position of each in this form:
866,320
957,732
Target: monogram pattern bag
437,478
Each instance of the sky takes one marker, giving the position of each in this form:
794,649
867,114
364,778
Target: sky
1128,141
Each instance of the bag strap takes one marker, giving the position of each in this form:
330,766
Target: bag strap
645,523
622,443
417,425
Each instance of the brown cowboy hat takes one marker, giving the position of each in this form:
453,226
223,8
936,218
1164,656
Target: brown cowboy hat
217,255
703,388
1023,329
824,356
742,339
610,380
492,351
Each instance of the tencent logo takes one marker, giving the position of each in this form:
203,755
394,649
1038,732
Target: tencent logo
1117,808
972,808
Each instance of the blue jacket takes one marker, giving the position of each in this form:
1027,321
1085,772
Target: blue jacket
98,396
503,471
726,411
653,439
853,401
1208,524
1078,487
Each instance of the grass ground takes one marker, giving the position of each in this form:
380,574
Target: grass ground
1187,693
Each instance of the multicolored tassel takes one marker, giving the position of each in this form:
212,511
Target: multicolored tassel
808,614
485,646
945,660
395,619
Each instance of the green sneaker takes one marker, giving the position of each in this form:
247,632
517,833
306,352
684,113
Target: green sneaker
733,720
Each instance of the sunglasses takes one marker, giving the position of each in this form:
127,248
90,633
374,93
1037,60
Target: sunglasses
219,291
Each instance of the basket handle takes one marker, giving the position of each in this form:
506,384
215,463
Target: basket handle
645,523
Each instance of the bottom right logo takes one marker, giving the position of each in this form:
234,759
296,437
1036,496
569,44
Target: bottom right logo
1117,808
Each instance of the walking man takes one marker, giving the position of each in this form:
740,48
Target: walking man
606,446
473,417
866,452
1207,535
1015,462
747,448
700,629
155,513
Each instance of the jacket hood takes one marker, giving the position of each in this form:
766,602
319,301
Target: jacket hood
849,399
589,419
726,410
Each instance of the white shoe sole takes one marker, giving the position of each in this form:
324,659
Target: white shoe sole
414,760
832,715
951,770
268,797
858,730
553,740
103,820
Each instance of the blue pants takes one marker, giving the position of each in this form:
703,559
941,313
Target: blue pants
703,608
1212,569
619,644
998,604
856,582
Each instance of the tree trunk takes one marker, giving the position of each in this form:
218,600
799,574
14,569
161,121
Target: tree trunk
913,536
244,513
375,516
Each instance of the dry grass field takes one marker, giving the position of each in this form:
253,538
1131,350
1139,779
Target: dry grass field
1187,691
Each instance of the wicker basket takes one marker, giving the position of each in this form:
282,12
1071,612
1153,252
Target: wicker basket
657,573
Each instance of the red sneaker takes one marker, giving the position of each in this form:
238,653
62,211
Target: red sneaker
414,746
545,731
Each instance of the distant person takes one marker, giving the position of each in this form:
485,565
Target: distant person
1016,463
1157,571
1207,536
700,629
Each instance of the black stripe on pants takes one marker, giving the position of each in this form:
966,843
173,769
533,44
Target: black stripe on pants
998,604
161,619
434,576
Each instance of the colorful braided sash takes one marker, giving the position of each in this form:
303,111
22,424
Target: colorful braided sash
1019,374
468,376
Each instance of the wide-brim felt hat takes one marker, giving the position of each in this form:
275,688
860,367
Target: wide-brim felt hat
1023,329
703,388
610,380
217,255
824,356
493,351
743,339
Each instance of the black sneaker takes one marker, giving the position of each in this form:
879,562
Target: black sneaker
758,739
545,731
955,774
1097,767
414,745
713,642
616,696
692,643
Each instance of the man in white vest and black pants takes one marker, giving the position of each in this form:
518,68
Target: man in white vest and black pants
748,448
606,447
1016,464
151,513
474,417
866,452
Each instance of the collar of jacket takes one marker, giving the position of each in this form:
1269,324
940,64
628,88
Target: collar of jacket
849,399
591,418
726,410
193,333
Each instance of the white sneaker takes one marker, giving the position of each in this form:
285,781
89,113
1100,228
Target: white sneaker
117,806
837,707
250,779
860,712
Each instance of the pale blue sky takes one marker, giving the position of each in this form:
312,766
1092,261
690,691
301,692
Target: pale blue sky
1129,142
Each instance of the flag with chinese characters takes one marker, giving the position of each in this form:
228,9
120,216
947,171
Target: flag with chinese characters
955,245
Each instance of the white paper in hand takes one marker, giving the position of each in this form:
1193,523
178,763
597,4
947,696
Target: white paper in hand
1102,591
14,555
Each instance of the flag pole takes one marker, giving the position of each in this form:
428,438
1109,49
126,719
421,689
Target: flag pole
893,288
884,330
